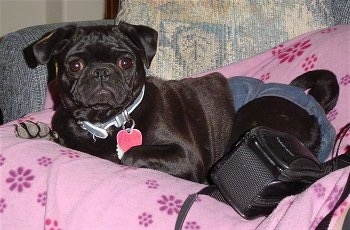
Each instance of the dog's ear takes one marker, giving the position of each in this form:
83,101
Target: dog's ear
144,38
53,43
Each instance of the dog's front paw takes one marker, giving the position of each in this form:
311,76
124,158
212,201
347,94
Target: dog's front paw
38,130
136,157
133,161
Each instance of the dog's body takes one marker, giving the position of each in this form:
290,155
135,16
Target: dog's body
183,132
186,125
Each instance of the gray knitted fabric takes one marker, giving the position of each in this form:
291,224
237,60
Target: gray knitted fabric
22,88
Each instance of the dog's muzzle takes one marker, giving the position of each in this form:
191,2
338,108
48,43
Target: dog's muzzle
100,129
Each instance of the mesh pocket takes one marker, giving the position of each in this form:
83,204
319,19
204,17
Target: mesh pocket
238,181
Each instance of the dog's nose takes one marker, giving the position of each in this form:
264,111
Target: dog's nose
101,73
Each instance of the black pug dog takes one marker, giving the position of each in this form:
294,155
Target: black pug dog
179,127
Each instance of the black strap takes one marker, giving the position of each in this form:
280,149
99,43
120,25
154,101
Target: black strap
214,192
346,223
323,225
337,162
184,210
211,190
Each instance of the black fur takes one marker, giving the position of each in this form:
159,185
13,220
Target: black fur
187,125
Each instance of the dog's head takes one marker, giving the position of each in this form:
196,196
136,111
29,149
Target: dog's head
100,69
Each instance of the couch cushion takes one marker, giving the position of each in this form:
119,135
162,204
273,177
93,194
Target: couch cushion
196,36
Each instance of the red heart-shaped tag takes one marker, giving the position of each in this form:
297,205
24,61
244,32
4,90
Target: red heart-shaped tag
127,138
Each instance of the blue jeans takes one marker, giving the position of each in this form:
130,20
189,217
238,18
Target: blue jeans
245,89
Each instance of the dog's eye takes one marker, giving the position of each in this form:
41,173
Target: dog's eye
125,63
75,66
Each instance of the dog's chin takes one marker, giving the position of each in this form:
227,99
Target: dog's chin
104,108
96,112
101,107
103,102
98,106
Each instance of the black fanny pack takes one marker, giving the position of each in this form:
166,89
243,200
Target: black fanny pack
262,169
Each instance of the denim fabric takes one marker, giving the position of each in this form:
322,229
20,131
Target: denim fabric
246,89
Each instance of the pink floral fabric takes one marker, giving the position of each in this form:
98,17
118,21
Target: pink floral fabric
322,49
47,186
